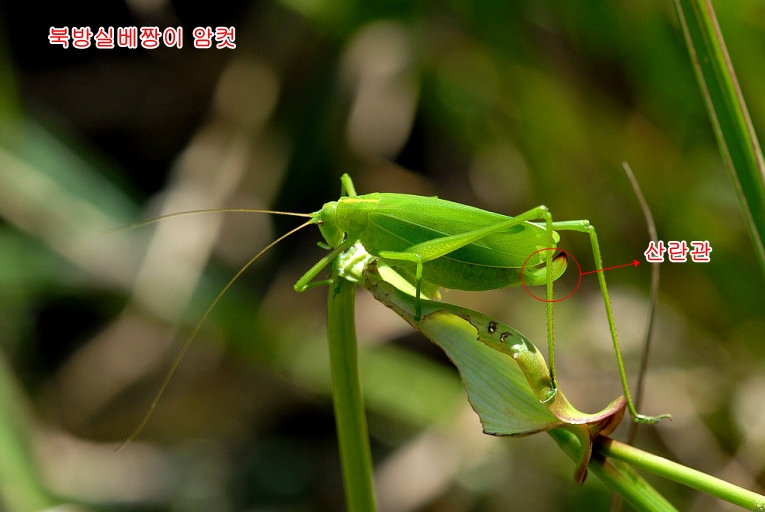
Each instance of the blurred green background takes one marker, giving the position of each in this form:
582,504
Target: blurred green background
501,105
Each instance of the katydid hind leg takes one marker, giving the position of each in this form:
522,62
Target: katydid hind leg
438,247
584,226
424,252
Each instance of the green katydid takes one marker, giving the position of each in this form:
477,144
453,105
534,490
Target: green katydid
459,247
439,243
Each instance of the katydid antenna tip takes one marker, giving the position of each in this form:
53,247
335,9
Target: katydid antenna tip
176,363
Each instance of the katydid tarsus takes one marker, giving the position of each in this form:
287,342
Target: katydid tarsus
437,243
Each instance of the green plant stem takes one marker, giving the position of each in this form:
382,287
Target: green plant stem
679,473
352,434
617,475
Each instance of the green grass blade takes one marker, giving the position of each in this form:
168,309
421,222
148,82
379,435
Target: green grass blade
727,110
352,434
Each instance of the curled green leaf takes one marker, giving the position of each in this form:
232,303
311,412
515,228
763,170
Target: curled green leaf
506,378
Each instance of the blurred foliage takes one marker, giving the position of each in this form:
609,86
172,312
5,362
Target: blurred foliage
502,105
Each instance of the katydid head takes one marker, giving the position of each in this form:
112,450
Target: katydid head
342,218
326,218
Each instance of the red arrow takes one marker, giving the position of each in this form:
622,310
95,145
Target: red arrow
634,263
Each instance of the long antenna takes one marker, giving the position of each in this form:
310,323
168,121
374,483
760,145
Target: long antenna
202,320
211,210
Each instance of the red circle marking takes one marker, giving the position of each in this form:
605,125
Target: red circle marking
570,256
